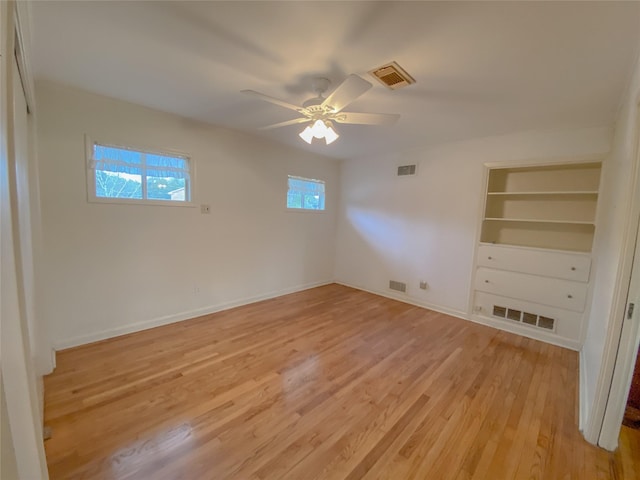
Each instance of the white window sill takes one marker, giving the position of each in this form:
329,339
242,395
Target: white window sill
127,201
304,210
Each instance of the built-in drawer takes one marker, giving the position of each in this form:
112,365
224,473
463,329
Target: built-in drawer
538,319
547,291
568,266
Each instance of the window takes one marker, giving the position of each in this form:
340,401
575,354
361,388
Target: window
130,175
305,194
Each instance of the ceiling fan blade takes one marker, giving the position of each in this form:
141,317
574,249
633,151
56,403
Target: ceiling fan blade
284,124
269,99
367,118
347,92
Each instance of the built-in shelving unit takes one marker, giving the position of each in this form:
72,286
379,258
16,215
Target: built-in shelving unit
533,262
544,207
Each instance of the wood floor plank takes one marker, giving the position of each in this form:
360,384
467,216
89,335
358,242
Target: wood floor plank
329,383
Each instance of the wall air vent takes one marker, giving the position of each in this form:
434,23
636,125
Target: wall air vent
532,319
529,318
404,170
392,76
398,286
499,311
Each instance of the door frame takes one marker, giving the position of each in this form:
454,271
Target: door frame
618,360
17,372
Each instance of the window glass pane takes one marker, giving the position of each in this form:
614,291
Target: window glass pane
166,188
294,200
311,186
111,184
102,152
312,202
306,194
158,172
119,173
154,160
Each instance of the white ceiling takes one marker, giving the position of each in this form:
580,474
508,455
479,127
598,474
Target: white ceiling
481,68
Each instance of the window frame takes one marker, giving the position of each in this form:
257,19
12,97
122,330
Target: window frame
305,210
91,179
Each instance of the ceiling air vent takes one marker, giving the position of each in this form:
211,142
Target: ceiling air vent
406,170
392,76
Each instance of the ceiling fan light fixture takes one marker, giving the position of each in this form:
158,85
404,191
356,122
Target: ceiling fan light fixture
307,135
330,135
319,129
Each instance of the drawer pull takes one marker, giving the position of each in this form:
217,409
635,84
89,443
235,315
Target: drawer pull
573,269
569,296
486,281
489,258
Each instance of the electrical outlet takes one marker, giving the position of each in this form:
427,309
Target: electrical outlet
423,285
205,209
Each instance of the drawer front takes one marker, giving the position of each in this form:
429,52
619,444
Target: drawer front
549,264
547,291
566,324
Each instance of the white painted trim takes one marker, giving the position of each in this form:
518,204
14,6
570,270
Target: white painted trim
621,346
153,203
548,162
305,210
18,377
410,300
582,392
528,332
621,382
24,31
592,276
594,424
482,205
498,325
178,317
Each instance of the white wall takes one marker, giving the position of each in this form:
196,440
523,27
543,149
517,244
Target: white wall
110,269
614,210
425,227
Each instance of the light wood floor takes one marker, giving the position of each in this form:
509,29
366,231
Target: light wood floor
330,383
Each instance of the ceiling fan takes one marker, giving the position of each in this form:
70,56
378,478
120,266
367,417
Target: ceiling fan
321,112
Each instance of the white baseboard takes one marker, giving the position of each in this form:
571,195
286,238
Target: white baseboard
411,301
525,332
582,393
541,336
178,317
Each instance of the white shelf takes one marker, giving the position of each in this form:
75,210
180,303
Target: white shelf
528,220
538,249
579,177
584,192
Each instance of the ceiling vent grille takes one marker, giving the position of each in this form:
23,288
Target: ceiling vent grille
404,170
392,76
